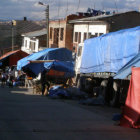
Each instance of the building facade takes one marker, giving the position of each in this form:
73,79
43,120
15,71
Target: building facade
95,26
61,32
34,41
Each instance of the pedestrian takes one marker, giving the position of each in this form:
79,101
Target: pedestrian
44,82
3,79
0,78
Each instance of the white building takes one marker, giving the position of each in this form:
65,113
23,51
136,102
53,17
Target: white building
90,27
87,29
34,41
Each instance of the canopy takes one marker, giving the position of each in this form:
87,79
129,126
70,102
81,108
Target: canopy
126,70
61,54
110,52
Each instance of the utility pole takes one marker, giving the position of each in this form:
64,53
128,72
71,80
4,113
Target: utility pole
13,24
47,22
12,37
47,25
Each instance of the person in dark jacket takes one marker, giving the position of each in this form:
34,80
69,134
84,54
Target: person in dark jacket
44,82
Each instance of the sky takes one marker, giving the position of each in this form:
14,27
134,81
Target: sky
17,9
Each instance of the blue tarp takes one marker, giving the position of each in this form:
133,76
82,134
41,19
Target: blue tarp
61,54
110,52
126,70
64,66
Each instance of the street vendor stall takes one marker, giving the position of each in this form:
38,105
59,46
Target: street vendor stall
50,54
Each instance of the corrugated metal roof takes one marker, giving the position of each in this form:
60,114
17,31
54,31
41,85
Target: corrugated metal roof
89,19
35,33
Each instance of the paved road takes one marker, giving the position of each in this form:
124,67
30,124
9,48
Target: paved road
24,116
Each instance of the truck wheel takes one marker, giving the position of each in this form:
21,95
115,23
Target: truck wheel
114,101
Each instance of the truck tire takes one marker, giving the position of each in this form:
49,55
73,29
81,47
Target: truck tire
114,100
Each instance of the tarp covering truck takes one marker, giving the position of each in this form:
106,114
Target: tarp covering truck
101,58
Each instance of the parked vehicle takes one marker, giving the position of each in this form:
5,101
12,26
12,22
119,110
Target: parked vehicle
100,58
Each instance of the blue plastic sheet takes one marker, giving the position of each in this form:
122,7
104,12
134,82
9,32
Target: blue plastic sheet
110,52
63,66
58,92
61,54
126,70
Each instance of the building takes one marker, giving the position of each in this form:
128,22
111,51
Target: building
95,26
11,33
34,41
11,58
61,32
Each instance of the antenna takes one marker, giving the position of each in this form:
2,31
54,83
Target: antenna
116,6
102,5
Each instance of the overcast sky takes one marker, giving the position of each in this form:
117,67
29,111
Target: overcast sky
17,9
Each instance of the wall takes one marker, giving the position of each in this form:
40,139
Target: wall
123,21
69,37
26,47
93,28
57,24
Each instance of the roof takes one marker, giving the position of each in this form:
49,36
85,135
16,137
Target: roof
35,33
8,54
20,28
100,17
26,26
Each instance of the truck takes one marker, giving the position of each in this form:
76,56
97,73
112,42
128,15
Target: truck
99,59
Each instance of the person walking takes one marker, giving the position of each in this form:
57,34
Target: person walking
3,79
44,82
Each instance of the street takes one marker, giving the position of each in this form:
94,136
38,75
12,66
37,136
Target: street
24,116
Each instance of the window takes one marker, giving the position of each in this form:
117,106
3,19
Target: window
89,35
51,30
92,36
32,46
79,37
76,37
61,34
25,43
85,36
96,34
100,34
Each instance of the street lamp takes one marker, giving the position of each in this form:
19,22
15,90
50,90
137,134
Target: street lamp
47,21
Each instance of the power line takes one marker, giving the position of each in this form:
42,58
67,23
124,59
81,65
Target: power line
67,8
78,5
